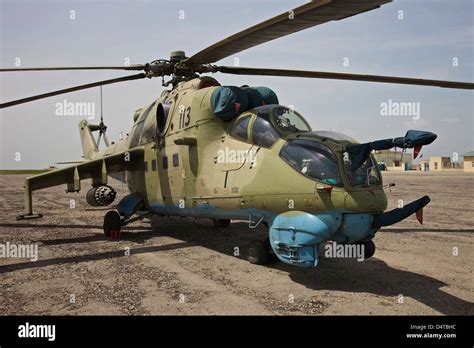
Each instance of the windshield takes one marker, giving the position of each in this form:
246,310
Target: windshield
313,160
366,174
289,120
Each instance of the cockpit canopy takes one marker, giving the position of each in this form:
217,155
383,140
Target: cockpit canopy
264,125
307,152
284,119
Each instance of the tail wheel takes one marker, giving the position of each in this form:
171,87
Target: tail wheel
112,224
221,223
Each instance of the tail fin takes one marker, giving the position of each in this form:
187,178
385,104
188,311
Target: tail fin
89,146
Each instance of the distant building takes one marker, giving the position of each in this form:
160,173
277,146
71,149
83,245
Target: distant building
394,160
424,165
440,163
469,161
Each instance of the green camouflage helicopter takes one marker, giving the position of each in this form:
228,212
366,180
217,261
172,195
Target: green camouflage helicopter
225,152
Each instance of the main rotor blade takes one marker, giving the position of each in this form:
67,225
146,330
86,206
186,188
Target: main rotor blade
118,67
306,16
72,89
343,76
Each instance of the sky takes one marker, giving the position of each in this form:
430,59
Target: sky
430,39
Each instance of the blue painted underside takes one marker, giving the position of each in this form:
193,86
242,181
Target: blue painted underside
208,211
129,204
295,236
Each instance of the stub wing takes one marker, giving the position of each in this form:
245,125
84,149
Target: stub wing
97,170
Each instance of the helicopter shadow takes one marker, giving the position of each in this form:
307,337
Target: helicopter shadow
437,230
371,276
89,257
61,226
377,277
126,233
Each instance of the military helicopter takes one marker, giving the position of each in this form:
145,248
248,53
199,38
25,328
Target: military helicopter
226,152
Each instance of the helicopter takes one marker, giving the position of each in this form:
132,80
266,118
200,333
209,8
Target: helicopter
227,153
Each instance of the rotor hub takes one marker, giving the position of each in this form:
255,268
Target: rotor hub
177,56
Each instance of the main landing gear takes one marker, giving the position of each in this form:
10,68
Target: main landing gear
260,252
114,220
113,223
221,223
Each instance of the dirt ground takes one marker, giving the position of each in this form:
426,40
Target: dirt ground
186,266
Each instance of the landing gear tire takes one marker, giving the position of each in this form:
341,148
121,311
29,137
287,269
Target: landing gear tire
112,224
221,223
272,258
257,252
369,249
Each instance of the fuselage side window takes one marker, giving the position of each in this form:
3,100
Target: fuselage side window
175,160
240,129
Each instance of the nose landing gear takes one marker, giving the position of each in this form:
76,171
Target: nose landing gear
260,252
369,249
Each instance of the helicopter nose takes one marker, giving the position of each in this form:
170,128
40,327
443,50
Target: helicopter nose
369,200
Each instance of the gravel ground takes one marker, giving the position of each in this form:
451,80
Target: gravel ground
186,266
